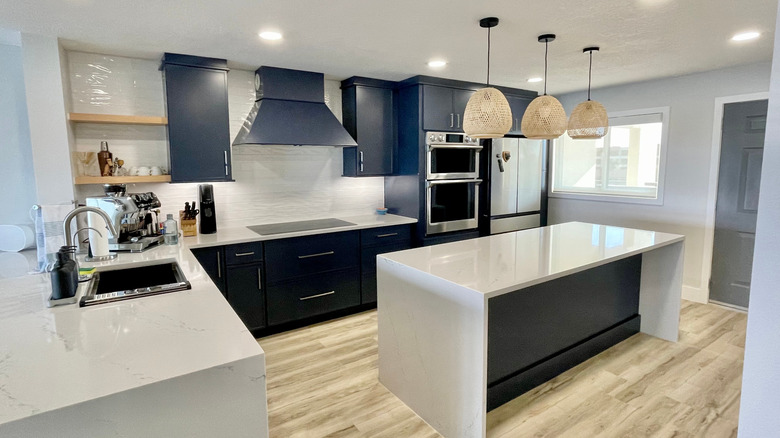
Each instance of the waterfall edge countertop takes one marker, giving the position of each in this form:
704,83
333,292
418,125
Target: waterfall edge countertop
464,327
503,263
51,358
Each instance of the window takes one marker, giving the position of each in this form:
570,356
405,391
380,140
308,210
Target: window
626,165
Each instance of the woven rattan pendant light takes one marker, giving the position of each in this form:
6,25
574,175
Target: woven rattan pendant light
544,118
487,113
589,119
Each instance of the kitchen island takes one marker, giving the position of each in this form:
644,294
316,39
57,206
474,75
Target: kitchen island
467,326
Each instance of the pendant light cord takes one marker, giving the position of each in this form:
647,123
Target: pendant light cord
590,72
546,43
488,60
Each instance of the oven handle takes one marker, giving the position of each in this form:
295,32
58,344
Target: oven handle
453,181
453,146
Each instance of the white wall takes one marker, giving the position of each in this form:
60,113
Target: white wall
758,410
273,183
691,99
16,166
46,115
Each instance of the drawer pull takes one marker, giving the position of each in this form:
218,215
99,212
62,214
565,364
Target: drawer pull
316,255
244,254
387,235
317,296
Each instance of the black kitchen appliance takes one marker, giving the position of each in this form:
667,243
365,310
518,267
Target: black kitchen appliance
208,213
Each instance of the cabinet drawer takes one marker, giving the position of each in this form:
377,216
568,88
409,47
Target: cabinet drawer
289,258
243,253
383,235
313,295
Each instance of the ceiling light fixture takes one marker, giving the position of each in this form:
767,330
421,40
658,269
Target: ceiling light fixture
589,119
536,79
272,36
437,63
487,113
744,36
544,119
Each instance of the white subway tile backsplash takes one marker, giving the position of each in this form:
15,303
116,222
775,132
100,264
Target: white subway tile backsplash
272,183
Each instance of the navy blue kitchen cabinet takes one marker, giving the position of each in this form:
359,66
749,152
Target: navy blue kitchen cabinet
443,107
517,104
312,275
212,260
245,290
198,125
369,115
246,294
374,241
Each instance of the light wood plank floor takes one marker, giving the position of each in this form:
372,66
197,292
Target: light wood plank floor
322,382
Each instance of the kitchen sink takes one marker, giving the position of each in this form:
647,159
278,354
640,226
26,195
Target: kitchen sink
134,282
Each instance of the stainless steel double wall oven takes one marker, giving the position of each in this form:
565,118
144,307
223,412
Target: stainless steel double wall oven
452,182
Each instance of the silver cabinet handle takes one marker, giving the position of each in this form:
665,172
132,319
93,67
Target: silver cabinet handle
516,125
316,255
226,164
452,120
387,235
454,181
259,279
458,116
361,160
317,296
219,266
244,254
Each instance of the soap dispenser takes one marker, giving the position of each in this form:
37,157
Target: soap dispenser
64,278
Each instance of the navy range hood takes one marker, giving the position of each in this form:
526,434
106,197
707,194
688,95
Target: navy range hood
290,110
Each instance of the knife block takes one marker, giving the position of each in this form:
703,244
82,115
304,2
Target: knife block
189,227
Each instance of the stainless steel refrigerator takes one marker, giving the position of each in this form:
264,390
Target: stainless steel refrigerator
517,176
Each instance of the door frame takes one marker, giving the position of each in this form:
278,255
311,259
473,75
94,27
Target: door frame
712,185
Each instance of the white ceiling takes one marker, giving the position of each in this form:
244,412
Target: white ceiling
393,39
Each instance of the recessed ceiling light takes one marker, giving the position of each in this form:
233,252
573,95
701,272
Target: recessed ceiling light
437,63
537,79
744,36
270,35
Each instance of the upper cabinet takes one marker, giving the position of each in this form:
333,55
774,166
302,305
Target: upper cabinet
369,115
517,104
443,107
198,125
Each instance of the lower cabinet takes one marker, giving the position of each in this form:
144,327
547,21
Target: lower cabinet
212,259
375,241
313,295
287,280
246,295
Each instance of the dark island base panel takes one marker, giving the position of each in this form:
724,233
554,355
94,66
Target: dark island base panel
534,376
538,332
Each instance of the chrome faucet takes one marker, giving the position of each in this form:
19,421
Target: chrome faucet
75,212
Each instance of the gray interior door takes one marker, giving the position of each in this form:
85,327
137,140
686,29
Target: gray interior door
742,149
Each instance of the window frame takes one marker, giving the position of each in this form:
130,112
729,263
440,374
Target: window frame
619,197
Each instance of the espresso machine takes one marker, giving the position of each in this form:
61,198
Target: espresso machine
134,215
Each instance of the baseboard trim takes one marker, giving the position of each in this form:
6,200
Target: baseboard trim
730,306
695,294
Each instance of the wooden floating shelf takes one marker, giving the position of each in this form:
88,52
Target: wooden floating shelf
111,119
122,179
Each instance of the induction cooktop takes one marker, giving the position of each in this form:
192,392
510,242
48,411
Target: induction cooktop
291,227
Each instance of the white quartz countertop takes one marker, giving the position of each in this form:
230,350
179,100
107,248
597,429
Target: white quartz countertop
503,263
56,357
242,234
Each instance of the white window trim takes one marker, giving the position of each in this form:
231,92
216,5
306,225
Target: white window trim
622,198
